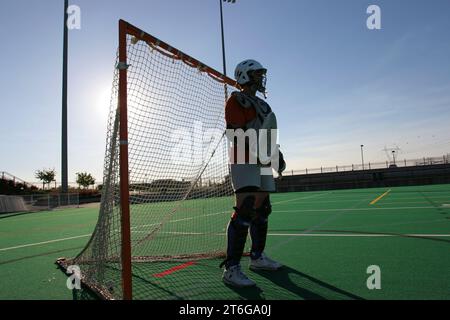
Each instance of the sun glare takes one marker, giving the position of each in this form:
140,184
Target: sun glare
102,102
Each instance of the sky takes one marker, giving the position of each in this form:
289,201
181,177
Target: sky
333,83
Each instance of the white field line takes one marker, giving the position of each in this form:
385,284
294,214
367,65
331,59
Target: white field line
356,235
421,222
396,197
223,234
393,197
355,209
44,242
409,202
186,233
318,234
300,198
384,202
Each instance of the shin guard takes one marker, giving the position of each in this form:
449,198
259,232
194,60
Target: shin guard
258,229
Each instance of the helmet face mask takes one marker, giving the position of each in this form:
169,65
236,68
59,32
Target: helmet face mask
251,72
259,79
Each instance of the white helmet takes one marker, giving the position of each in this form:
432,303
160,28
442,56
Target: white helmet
242,69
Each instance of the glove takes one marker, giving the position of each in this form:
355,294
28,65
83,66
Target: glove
281,163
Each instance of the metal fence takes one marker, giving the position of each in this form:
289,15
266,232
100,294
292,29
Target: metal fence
51,201
56,185
372,165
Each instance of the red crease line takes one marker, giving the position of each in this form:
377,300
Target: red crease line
174,269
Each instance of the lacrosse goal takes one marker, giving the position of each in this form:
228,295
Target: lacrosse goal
167,195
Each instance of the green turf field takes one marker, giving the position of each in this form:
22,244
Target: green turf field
326,240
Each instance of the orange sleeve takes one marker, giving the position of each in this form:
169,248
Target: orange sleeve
234,114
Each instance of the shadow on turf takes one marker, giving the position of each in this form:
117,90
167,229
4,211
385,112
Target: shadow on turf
435,205
304,287
283,279
250,293
16,214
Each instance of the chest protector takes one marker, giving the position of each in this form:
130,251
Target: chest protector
265,119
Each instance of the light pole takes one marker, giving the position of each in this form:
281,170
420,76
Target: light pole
362,156
223,54
393,156
223,43
64,165
223,39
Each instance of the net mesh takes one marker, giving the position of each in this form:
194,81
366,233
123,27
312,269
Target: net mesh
179,185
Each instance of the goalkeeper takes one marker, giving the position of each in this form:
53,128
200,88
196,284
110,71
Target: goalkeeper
252,181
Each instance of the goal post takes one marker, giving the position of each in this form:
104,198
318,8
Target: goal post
124,174
167,195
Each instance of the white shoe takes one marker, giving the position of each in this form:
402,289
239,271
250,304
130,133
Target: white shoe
235,277
264,263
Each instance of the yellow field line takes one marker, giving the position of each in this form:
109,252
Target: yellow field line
374,201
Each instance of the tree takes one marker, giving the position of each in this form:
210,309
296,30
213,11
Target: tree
46,176
85,179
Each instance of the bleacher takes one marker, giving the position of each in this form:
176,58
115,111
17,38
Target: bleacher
373,178
11,187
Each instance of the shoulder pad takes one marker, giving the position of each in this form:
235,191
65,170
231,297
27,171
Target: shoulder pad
265,108
243,99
